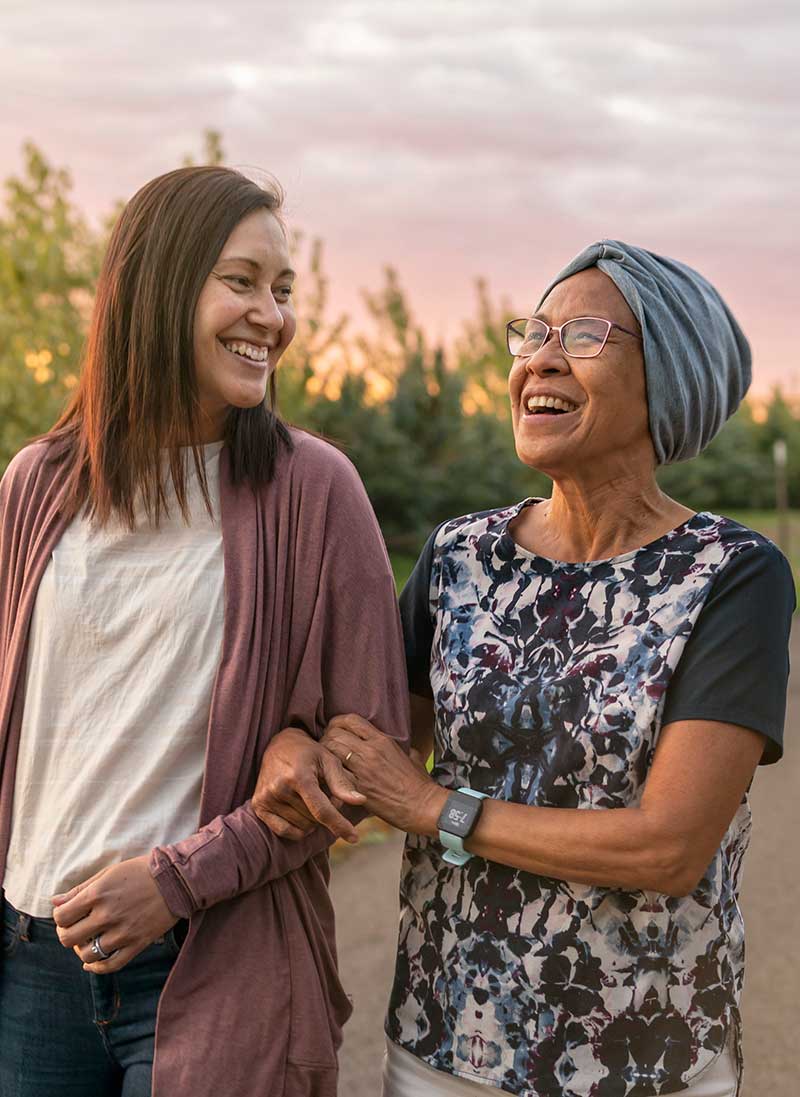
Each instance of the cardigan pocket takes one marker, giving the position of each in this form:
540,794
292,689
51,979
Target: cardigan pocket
319,1004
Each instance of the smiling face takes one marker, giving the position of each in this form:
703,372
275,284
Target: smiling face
597,419
244,320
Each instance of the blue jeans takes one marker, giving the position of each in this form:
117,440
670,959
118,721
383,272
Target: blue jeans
65,1032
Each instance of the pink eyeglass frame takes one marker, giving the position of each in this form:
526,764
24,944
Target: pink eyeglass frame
552,327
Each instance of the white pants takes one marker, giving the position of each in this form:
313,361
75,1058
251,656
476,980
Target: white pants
404,1075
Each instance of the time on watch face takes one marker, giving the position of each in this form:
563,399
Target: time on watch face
459,814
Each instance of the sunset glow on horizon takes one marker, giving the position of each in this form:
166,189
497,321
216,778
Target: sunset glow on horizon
450,140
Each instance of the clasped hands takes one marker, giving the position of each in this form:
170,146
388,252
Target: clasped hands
304,784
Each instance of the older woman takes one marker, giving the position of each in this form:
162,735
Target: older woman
599,674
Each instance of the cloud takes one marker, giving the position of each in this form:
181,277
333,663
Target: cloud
441,137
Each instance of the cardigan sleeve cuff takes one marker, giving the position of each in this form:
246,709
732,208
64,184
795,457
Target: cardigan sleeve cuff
232,854
170,883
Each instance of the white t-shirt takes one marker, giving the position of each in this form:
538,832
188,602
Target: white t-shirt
125,642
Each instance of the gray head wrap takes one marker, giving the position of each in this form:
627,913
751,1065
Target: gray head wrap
696,358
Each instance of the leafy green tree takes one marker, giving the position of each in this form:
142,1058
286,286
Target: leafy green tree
49,260
732,474
782,423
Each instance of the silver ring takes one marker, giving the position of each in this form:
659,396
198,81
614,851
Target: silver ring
99,951
348,756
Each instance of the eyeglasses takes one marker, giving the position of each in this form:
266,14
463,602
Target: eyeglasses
583,337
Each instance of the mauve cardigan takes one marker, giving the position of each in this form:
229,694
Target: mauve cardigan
253,1006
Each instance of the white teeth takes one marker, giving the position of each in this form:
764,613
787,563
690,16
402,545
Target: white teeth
247,350
534,402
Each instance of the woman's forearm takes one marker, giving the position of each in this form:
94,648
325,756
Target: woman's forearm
663,845
625,847
233,854
700,773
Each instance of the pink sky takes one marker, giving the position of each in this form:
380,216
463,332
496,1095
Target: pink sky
451,139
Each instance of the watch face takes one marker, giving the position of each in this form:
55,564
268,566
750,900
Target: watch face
459,815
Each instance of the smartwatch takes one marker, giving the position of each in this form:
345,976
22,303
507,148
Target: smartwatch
458,819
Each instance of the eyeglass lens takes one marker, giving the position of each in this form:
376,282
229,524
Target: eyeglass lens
580,338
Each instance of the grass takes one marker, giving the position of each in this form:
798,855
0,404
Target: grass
766,522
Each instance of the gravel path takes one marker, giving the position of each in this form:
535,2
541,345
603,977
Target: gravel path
365,887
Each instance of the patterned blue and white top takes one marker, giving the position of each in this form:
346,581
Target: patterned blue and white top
551,682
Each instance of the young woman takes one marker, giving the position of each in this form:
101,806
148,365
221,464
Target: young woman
169,556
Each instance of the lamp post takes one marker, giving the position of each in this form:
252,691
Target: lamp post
781,494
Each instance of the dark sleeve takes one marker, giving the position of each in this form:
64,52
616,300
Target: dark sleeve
418,625
735,666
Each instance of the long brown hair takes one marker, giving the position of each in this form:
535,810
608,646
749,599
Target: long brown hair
137,394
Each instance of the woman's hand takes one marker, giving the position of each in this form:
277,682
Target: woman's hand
397,787
121,906
301,785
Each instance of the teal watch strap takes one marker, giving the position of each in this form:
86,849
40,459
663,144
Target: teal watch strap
453,843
